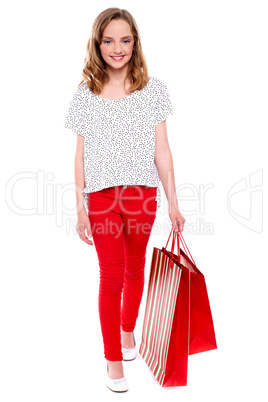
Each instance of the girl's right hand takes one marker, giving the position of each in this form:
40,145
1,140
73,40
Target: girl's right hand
82,225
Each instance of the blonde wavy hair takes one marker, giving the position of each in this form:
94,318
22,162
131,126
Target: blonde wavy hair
94,71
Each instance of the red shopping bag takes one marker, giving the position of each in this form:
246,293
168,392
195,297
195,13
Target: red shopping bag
178,319
202,334
165,333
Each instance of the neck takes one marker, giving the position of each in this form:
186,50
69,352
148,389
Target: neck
117,76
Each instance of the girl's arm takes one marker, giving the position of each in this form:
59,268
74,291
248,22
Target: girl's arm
79,174
164,164
83,223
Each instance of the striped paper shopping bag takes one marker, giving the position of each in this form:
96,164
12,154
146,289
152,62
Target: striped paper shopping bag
202,334
165,333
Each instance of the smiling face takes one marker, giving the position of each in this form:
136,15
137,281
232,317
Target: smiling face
117,44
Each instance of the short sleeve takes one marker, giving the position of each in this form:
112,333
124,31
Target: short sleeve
76,118
163,106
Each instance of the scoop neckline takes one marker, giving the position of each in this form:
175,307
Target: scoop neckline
117,99
125,97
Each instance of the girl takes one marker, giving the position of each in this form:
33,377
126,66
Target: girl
122,153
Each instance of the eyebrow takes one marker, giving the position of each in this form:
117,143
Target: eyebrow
124,37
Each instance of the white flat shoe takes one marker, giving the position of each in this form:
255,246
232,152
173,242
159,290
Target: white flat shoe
130,353
116,385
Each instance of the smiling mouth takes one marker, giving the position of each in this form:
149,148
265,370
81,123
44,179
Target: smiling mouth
117,58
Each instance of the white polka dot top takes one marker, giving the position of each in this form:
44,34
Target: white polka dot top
119,136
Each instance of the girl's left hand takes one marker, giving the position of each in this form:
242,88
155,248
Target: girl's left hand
176,218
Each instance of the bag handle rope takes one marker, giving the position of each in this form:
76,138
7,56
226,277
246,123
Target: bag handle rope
186,249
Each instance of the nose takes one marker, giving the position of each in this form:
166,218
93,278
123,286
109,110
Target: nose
117,48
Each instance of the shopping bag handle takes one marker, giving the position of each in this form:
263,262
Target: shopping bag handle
179,235
172,247
185,246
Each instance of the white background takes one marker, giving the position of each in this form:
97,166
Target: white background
212,55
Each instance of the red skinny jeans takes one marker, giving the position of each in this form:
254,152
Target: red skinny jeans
121,220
